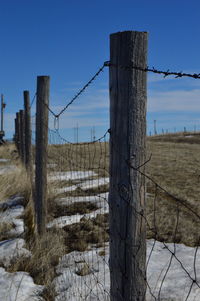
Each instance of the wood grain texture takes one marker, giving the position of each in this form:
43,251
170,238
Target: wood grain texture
127,148
27,124
41,151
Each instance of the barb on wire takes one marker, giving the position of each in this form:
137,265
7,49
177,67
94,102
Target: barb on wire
154,70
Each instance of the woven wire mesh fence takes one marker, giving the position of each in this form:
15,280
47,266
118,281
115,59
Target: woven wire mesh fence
78,205
170,221
167,227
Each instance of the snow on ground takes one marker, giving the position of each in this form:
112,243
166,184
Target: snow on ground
95,285
5,169
72,219
100,200
10,215
70,175
85,275
11,249
85,185
13,201
18,286
4,160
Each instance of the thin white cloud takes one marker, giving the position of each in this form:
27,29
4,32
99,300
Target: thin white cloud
179,100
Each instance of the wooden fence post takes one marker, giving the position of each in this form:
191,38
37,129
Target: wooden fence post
127,154
15,134
18,132
41,151
22,140
27,121
2,109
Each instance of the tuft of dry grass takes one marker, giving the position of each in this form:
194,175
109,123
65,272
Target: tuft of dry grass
15,182
5,227
46,251
8,151
57,210
80,236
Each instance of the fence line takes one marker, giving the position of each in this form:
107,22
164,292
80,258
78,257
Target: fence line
77,175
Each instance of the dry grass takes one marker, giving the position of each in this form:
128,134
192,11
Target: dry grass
16,180
57,210
8,151
5,227
175,165
46,251
80,236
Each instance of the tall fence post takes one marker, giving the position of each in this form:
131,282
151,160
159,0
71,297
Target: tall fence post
127,157
41,151
27,122
22,134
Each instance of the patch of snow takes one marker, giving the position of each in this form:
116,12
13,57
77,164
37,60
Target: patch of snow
72,219
100,200
167,281
70,175
4,160
85,185
7,169
10,216
93,286
14,201
12,249
18,286
18,228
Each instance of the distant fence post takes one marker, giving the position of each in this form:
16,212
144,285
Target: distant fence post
21,135
41,151
18,132
127,154
27,121
15,134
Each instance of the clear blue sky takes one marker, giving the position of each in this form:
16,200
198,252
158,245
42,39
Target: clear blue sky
69,40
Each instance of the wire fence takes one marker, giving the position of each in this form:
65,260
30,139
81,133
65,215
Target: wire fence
79,210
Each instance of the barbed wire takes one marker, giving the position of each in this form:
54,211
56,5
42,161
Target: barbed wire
109,64
81,91
154,70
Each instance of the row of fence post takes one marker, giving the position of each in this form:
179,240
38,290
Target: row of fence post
22,135
127,157
23,142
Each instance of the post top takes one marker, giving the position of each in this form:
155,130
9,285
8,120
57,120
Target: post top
128,32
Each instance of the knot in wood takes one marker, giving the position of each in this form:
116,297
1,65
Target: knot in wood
124,192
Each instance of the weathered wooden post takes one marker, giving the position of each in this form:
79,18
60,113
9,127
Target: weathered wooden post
3,105
15,134
18,132
27,122
22,136
127,154
41,151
